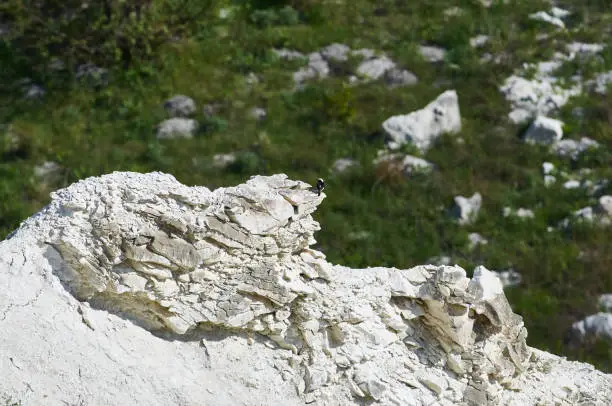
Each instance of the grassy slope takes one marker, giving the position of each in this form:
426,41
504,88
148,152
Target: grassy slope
94,132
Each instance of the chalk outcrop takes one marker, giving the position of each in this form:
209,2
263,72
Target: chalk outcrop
135,289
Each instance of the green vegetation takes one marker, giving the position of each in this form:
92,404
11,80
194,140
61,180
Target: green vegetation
155,49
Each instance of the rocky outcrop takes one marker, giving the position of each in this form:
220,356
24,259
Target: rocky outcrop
176,292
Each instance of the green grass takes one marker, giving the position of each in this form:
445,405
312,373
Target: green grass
92,132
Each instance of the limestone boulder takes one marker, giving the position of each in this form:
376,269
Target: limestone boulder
466,209
544,130
422,127
180,106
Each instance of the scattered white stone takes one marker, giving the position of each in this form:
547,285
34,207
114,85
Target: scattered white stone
454,12
479,40
288,54
601,82
605,303
544,130
572,148
317,68
547,18
364,53
595,326
432,53
423,127
408,164
604,205
251,79
559,12
33,91
520,213
547,168
466,209
475,240
335,52
178,127
359,235
441,260
540,94
343,164
571,184
509,277
375,68
47,170
594,188
581,49
180,106
400,77
225,12
258,113
223,160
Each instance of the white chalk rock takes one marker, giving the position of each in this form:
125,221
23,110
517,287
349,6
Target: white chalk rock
189,296
544,130
466,209
177,127
423,127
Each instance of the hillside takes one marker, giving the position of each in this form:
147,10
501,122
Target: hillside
326,88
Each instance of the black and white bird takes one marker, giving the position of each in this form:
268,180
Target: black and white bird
320,186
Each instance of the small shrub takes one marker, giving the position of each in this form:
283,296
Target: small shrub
105,33
269,17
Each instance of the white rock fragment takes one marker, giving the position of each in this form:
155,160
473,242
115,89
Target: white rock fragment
520,213
178,127
400,77
258,113
180,106
34,92
223,160
544,130
573,149
559,12
423,127
547,18
475,240
432,53
479,41
601,83
336,52
365,53
605,302
47,170
509,277
375,68
571,184
288,54
406,164
343,164
605,205
595,326
538,96
317,68
547,168
582,49
465,209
